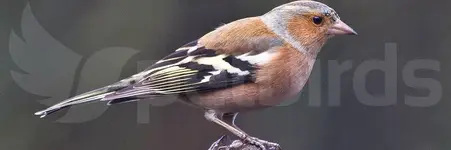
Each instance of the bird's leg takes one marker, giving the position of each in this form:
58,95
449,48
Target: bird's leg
212,116
231,117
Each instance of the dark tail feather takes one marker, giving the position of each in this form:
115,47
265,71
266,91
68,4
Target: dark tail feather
50,111
123,100
91,96
107,93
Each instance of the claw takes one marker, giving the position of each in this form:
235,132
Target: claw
262,144
255,141
225,143
221,141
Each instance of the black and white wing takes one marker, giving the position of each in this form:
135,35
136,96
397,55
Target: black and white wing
192,68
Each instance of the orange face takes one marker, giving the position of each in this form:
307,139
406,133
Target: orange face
311,29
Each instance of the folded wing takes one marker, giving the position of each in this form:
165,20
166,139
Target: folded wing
192,68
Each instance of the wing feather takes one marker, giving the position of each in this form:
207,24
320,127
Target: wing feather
192,68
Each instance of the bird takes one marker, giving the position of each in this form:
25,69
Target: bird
245,65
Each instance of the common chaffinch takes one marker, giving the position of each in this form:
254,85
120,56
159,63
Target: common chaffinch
248,64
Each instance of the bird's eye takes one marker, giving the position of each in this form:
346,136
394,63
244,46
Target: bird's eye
317,20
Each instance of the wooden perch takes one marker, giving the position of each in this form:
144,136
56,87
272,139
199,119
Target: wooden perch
225,143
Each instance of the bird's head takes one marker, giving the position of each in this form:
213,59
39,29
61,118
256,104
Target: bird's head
308,23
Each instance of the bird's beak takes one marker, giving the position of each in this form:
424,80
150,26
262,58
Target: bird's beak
341,28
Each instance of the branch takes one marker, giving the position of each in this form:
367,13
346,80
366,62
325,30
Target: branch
225,143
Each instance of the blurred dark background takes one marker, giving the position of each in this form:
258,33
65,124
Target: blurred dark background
149,30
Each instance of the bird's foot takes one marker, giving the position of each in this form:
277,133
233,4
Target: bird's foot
225,143
262,144
221,143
